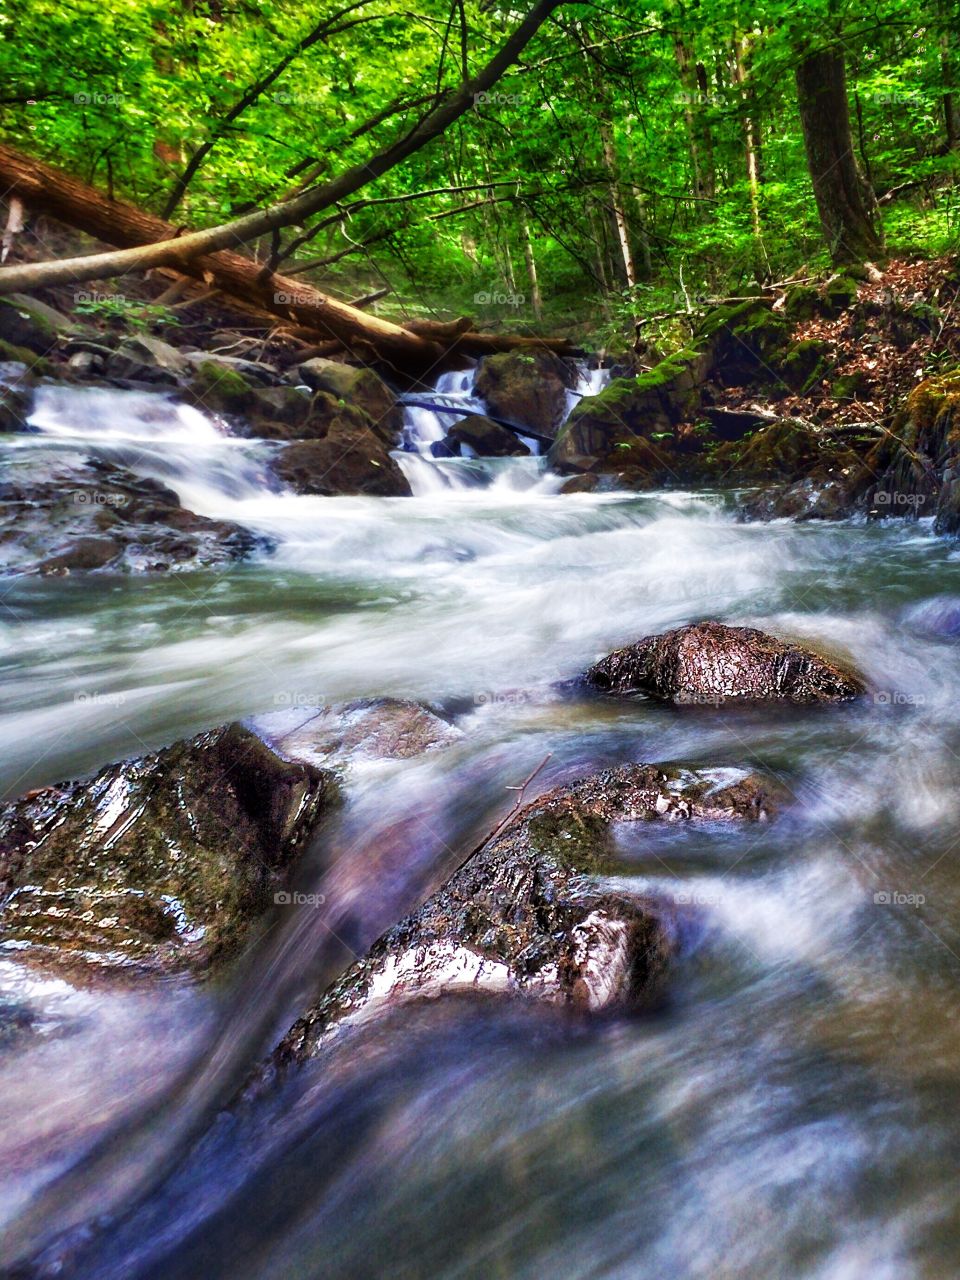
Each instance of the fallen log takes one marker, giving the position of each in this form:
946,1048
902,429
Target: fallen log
362,335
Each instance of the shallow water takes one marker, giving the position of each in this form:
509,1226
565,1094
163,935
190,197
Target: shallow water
790,1109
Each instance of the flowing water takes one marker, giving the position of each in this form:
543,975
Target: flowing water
790,1109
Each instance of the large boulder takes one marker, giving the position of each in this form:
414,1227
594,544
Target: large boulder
487,439
708,663
161,863
645,426
528,388
57,518
350,459
355,386
529,914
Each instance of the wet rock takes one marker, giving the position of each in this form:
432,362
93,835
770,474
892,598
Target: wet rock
708,663
56,519
527,915
487,439
16,397
351,459
160,863
580,484
820,497
369,728
528,388
937,617
355,386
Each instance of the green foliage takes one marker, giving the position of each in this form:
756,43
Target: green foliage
124,94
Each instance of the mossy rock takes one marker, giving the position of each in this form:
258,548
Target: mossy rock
219,389
22,326
788,449
23,355
850,386
804,364
839,295
802,302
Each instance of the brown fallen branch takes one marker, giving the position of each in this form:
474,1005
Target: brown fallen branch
368,299
240,279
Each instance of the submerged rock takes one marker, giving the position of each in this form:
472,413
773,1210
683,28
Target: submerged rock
709,663
526,914
371,728
159,863
58,519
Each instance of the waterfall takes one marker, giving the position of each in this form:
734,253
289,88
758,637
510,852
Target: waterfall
427,464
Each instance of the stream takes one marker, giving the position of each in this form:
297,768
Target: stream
789,1109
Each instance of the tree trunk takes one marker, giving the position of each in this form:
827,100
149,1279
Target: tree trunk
49,191
531,263
948,65
751,135
619,211
844,201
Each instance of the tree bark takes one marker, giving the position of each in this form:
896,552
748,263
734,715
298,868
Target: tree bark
844,200
362,335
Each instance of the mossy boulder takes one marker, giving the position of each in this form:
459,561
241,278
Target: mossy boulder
23,326
158,864
528,388
916,467
631,424
360,387
802,302
803,364
787,449
838,295
220,389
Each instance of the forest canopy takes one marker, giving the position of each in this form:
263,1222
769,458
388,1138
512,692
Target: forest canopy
628,161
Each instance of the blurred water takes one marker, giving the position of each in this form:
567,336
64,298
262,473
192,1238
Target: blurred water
791,1110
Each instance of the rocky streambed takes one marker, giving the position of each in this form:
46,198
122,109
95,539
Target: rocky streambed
484,877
